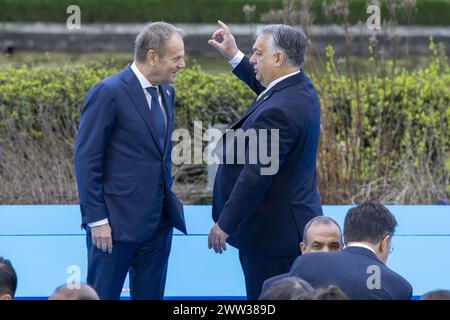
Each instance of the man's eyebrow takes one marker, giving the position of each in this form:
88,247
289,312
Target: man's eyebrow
316,242
335,242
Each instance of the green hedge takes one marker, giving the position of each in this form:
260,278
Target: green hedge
429,12
383,137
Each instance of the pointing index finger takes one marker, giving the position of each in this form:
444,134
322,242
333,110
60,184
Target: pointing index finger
223,25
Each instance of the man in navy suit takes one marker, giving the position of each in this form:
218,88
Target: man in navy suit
360,269
123,169
263,215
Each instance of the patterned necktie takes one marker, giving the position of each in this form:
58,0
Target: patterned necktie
260,95
158,116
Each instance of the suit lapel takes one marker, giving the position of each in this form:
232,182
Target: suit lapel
136,94
295,79
251,109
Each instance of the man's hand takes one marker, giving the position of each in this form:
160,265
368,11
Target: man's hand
224,41
217,239
101,237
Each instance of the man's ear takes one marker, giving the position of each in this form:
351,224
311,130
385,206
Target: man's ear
152,57
302,247
279,58
384,244
5,297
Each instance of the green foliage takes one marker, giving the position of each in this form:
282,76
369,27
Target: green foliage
429,12
392,125
175,11
200,95
380,126
42,101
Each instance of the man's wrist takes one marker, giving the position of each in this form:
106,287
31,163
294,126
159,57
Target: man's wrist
98,223
236,59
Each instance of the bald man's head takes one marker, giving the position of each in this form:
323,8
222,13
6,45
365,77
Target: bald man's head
321,234
74,292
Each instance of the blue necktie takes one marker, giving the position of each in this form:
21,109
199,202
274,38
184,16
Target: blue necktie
158,116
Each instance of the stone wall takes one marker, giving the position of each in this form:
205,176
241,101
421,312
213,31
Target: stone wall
120,38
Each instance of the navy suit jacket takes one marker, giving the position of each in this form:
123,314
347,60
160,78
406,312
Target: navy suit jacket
122,171
350,270
265,214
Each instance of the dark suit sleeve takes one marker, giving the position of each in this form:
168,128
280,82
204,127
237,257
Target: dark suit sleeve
96,122
245,71
251,186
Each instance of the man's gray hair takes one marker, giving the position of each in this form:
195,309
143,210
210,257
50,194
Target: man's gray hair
320,220
289,40
154,36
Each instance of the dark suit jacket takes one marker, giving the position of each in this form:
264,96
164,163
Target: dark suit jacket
349,269
122,172
265,215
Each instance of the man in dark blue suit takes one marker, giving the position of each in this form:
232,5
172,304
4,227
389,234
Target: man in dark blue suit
360,269
263,213
123,169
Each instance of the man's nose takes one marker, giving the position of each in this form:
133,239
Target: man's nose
253,59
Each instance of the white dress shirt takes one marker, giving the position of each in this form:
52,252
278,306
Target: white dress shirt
361,245
144,84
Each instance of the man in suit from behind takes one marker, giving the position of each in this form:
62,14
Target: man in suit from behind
123,168
264,214
360,269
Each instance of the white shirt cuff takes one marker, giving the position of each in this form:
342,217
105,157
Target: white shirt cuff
98,223
237,59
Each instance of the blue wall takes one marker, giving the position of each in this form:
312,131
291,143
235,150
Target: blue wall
42,241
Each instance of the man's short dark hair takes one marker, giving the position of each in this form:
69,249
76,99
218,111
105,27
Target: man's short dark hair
369,222
8,278
440,294
319,219
289,288
332,292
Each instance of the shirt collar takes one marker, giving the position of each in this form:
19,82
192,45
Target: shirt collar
361,245
142,79
274,82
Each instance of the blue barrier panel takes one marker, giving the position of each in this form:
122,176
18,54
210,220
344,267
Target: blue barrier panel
47,246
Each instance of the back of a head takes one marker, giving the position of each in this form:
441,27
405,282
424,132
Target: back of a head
440,294
368,222
74,292
8,279
332,292
289,288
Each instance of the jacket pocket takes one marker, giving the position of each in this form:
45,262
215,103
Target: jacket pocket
119,189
